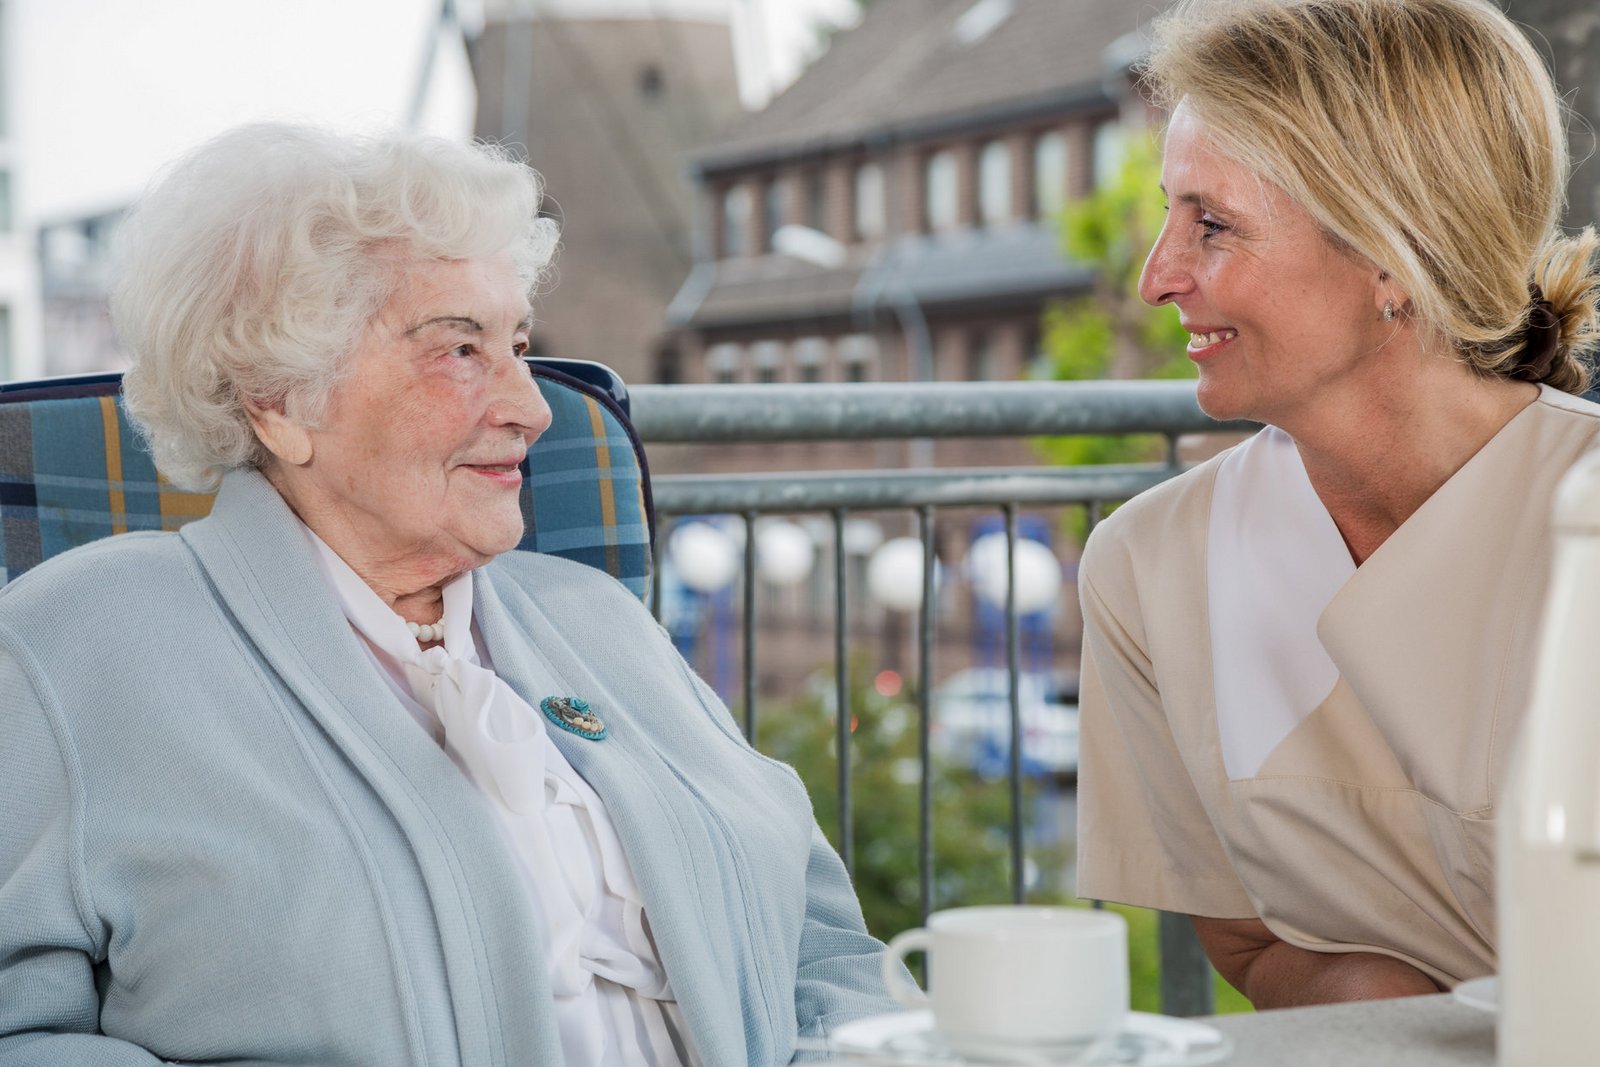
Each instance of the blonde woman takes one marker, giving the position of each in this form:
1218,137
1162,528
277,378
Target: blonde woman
1305,661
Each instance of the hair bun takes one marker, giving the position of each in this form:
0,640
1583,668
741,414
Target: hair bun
1541,344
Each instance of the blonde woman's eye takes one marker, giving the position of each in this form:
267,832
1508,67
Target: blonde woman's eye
1209,227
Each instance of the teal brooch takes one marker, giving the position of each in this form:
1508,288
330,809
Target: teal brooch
572,714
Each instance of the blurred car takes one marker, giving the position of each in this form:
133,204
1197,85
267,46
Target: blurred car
971,727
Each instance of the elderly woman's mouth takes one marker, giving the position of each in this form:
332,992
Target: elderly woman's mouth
506,473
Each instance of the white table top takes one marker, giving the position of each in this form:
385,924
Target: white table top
1433,1031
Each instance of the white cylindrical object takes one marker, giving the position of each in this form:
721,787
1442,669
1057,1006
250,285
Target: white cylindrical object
1548,892
1019,984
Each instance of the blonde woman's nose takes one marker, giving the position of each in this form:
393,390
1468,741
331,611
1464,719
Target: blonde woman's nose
1164,277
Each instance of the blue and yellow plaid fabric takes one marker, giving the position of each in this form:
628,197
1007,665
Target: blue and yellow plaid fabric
72,470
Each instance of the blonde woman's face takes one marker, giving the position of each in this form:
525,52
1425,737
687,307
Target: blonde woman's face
1280,320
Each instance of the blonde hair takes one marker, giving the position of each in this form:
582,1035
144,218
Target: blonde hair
251,268
1422,135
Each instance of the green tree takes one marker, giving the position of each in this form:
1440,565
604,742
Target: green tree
1111,332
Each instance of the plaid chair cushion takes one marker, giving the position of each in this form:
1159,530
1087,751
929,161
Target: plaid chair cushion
73,470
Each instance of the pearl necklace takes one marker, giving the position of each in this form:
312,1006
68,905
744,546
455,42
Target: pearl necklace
427,633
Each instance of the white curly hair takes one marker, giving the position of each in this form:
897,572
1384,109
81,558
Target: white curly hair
252,266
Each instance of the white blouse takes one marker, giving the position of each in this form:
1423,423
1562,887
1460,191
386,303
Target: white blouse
613,1003
1275,561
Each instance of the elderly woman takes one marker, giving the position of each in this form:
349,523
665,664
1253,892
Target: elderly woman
1306,660
332,777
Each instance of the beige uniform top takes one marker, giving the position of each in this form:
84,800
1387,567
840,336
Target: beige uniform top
1370,825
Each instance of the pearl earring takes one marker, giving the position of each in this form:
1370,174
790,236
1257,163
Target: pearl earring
1388,311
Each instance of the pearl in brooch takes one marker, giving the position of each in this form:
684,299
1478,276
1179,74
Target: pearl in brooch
427,633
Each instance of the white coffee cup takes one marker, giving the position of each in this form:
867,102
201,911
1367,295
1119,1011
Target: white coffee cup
1017,976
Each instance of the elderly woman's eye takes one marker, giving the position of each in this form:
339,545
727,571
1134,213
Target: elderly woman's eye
1209,227
464,351
520,348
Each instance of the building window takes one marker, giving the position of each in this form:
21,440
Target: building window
869,208
669,366
980,356
650,82
816,202
1049,175
5,201
1109,148
768,358
735,220
994,183
772,212
941,192
858,352
722,363
810,353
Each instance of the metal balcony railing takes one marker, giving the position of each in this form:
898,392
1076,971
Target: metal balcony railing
919,411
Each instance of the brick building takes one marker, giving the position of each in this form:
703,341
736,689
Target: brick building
936,142
933,147
608,96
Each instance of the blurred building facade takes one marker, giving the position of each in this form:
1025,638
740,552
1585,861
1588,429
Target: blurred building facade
936,142
927,156
74,280
608,97
19,281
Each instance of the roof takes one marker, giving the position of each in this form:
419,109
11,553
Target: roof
905,72
978,266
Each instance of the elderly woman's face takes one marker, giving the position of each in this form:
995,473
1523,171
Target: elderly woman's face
1276,314
415,470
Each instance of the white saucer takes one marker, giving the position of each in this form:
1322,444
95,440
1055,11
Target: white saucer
908,1039
1481,993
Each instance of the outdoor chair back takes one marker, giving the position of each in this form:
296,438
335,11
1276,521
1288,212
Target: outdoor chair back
74,470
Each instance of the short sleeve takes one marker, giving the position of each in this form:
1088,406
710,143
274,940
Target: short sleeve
1144,838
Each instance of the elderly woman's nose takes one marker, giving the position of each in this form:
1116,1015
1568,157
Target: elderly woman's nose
517,400
1165,277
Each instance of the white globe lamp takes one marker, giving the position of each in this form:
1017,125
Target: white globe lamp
785,553
705,558
894,574
1038,573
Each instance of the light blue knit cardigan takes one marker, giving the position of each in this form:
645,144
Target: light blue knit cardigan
223,839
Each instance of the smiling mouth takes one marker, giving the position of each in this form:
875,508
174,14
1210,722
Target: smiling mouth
1215,337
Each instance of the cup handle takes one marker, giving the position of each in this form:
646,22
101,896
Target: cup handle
894,974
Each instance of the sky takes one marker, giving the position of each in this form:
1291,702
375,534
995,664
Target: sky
102,93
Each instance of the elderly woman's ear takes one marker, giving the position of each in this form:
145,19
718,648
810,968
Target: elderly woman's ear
279,434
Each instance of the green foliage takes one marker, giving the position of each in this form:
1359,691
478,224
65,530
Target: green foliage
1112,332
970,820
970,817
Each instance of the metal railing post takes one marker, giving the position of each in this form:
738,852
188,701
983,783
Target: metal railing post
1014,706
841,675
925,715
750,626
1185,971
